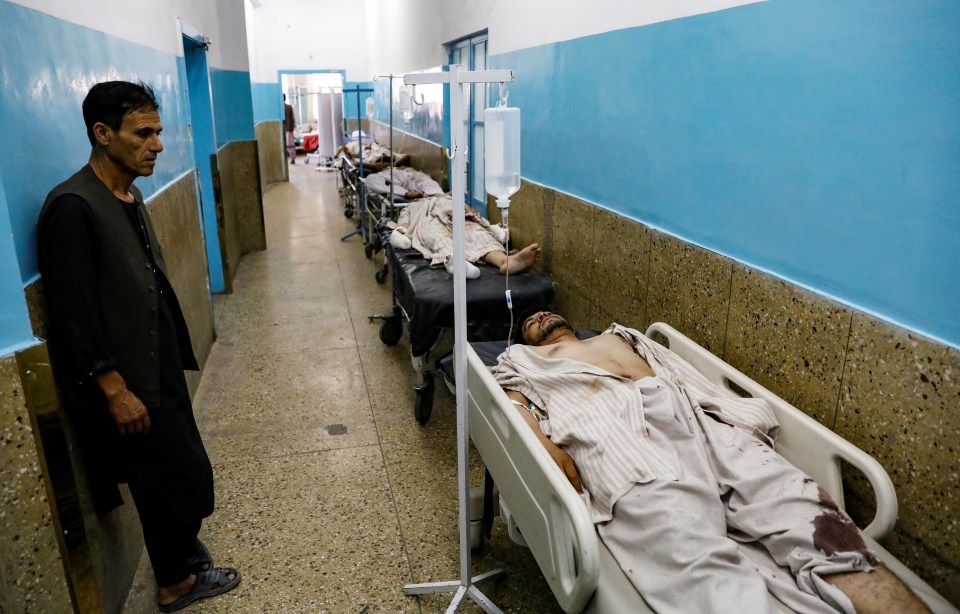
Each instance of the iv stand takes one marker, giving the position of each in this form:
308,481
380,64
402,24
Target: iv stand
465,586
383,209
361,188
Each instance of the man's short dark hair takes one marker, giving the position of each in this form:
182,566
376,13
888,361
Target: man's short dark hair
109,102
520,318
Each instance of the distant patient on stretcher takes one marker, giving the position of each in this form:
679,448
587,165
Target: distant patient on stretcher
427,224
683,481
405,182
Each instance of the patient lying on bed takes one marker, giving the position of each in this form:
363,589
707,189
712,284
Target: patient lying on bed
427,225
689,495
406,182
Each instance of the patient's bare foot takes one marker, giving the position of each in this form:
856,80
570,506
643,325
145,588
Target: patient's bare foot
521,261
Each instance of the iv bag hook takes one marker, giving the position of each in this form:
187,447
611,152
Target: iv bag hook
419,102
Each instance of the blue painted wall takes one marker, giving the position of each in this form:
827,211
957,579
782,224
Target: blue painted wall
428,119
815,139
46,67
41,124
14,320
265,107
232,105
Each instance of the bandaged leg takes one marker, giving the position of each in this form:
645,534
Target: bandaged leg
471,271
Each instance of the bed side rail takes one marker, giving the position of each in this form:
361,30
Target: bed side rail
548,511
803,441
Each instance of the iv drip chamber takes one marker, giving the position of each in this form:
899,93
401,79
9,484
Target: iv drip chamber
502,152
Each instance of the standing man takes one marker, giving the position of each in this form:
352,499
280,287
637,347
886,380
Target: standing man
119,344
288,125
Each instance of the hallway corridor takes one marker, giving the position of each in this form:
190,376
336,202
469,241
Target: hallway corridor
330,496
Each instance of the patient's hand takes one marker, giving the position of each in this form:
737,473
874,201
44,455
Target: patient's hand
566,464
413,194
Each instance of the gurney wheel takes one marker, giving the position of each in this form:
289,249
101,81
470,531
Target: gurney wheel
423,404
368,250
391,329
381,275
348,212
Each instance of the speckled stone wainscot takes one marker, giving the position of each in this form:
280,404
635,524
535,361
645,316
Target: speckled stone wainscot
269,135
32,575
241,218
901,403
571,261
621,269
689,289
175,218
789,340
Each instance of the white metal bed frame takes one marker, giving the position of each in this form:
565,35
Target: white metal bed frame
544,512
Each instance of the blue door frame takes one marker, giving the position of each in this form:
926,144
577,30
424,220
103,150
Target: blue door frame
204,146
471,53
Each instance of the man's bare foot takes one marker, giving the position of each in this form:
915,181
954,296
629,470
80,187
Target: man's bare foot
169,594
521,261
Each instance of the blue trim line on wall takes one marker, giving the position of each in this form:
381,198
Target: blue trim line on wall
232,105
14,320
41,124
814,139
265,102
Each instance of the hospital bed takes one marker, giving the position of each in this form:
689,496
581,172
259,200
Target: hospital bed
376,157
544,512
423,297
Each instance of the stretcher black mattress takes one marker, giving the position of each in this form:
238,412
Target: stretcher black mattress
426,295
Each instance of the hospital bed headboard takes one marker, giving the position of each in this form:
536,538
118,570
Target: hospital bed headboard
818,456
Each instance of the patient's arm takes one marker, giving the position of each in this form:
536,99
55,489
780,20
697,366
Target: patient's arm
561,458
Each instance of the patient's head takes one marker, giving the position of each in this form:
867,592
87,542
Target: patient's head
544,327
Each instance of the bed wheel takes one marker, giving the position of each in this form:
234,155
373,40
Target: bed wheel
348,212
391,329
368,250
381,275
423,404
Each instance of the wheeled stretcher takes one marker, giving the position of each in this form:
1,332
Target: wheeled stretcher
423,297
544,512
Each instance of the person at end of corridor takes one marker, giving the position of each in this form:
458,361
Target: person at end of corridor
683,481
288,126
119,344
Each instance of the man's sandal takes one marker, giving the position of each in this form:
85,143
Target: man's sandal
200,560
210,583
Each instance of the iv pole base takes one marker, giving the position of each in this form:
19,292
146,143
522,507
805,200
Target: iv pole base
461,591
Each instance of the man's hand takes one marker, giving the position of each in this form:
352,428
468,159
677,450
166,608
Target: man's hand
129,412
566,464
559,456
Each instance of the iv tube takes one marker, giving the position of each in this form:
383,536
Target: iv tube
502,155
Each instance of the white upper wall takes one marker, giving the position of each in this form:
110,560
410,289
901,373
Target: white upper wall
307,35
409,35
153,23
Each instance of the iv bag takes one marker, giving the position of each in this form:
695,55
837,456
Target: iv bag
371,107
502,151
406,103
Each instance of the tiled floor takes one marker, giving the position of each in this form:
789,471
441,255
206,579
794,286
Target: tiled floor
330,496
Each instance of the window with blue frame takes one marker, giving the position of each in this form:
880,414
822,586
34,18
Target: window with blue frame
471,54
